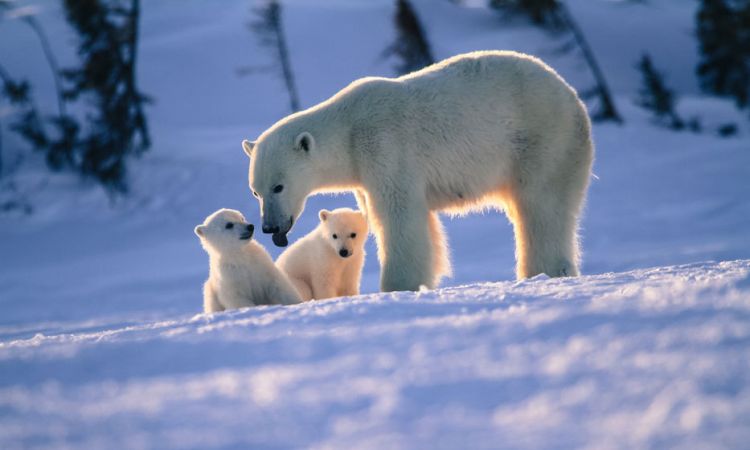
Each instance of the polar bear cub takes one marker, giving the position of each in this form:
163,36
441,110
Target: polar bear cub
241,272
328,261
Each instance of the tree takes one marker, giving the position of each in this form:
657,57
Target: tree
27,15
28,122
655,96
411,46
554,15
723,29
270,31
541,12
117,128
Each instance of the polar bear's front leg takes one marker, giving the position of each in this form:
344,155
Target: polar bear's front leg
303,288
323,289
210,299
406,253
324,282
284,292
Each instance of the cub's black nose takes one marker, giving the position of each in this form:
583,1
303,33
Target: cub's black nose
268,229
344,252
250,227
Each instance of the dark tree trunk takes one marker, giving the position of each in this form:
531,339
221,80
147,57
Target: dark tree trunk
51,60
555,16
139,116
411,46
607,109
286,65
269,29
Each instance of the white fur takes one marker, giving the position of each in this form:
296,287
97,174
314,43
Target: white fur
485,129
314,264
241,272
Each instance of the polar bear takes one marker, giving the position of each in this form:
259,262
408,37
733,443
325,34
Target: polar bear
241,272
328,261
485,129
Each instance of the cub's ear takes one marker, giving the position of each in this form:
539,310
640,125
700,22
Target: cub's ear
304,142
323,214
199,230
248,147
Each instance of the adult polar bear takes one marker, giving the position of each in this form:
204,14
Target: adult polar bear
483,129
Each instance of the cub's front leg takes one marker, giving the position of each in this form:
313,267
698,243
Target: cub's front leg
210,299
324,283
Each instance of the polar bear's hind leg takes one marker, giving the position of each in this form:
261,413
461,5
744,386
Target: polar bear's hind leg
544,212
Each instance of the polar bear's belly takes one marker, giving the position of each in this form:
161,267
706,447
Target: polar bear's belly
454,185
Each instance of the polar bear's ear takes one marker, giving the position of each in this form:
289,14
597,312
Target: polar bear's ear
199,230
323,214
248,147
304,142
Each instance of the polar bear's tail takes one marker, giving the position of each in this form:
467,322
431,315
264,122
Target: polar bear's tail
441,265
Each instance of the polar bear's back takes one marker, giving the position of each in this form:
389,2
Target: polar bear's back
494,92
487,116
486,63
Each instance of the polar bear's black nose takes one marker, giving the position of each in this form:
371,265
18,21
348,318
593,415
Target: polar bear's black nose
344,252
269,229
250,227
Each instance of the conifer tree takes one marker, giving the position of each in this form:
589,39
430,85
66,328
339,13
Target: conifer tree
541,12
269,28
723,29
116,126
411,46
555,16
655,96
27,121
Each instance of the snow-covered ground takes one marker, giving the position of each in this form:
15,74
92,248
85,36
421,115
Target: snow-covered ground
101,343
655,358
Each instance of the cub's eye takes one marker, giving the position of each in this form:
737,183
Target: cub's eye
229,225
255,194
278,188
353,235
335,236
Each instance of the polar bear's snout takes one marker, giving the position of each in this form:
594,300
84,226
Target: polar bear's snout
268,229
344,253
248,233
279,232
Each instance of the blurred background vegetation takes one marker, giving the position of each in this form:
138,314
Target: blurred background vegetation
100,119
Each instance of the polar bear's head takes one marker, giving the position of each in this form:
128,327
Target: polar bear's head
345,230
284,169
224,231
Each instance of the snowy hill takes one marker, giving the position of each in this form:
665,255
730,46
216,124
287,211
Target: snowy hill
656,358
102,346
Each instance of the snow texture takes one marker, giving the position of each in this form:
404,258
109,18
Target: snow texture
102,346
649,358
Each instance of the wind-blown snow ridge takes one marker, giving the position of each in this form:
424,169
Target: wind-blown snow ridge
647,358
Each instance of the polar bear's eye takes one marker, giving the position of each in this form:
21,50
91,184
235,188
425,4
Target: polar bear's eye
278,188
255,194
229,225
353,235
335,236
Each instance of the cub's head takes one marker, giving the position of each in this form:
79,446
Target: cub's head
224,231
282,174
345,230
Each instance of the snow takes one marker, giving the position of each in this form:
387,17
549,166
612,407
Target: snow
648,358
102,346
